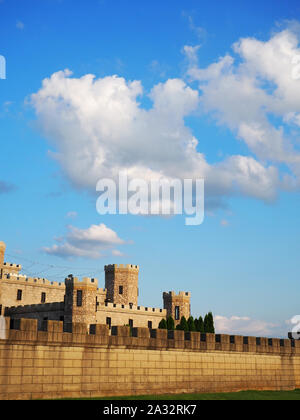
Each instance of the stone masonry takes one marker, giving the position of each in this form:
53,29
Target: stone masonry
83,301
51,363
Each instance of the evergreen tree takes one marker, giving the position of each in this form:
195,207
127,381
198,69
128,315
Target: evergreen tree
209,326
200,325
191,324
206,324
170,324
163,324
211,322
183,324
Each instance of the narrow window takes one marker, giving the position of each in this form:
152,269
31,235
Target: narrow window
177,313
108,322
79,297
120,290
150,325
19,295
131,323
43,297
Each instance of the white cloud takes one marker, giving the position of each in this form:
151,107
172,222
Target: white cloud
191,53
98,128
87,243
117,253
256,95
199,31
246,326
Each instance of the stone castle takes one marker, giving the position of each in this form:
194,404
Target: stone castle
83,301
71,342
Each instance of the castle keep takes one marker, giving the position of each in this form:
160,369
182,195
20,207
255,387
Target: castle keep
83,301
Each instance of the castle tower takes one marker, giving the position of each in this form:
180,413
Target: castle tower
80,300
2,253
121,282
6,268
177,306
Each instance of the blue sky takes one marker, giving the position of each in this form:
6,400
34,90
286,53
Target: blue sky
222,73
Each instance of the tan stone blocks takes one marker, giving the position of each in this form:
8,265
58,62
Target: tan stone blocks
142,332
46,368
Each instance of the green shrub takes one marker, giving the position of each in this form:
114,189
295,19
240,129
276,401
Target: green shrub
163,324
170,324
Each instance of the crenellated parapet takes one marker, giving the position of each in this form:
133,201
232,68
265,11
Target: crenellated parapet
22,279
180,294
145,338
140,309
8,268
112,267
86,281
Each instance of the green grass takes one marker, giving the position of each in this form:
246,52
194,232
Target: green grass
244,395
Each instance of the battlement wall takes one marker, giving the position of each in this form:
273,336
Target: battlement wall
28,330
37,281
50,362
113,267
14,266
133,308
86,281
180,294
101,290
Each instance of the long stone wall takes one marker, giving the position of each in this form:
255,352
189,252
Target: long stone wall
57,364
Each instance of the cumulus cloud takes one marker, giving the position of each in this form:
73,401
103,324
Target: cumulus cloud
89,243
98,128
255,92
246,326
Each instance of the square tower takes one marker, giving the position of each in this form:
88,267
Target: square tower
2,253
121,283
80,300
177,306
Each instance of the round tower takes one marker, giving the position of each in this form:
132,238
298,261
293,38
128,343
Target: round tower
121,282
2,253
